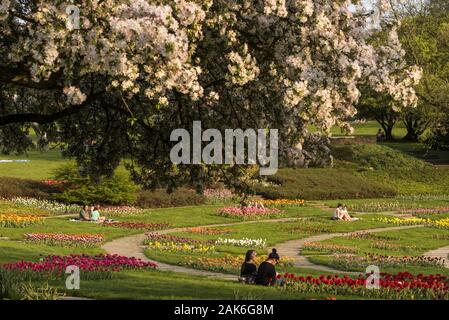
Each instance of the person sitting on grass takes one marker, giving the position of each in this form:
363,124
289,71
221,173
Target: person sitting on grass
95,216
248,271
266,274
84,214
341,213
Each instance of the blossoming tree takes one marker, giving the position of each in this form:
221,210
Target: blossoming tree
115,82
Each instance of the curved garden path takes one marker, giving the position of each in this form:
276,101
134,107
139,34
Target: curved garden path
132,247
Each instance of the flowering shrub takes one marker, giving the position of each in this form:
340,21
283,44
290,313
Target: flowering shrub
92,267
137,225
53,206
353,262
281,203
398,286
248,212
51,182
60,239
228,263
245,242
208,231
178,244
18,221
332,248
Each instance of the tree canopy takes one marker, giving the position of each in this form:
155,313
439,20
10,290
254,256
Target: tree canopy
134,70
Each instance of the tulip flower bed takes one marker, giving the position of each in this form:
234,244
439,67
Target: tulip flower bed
424,211
440,236
229,263
313,229
18,221
249,212
383,245
52,206
314,226
328,248
208,231
353,262
137,225
63,240
178,244
121,211
440,223
369,236
283,203
376,206
391,286
91,267
245,242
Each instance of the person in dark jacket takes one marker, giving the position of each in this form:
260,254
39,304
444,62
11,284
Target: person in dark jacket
248,271
266,274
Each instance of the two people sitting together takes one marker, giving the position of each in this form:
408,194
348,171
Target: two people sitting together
265,275
91,213
341,213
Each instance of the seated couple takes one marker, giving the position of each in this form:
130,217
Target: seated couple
265,275
341,213
91,213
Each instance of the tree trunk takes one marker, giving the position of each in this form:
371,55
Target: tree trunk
389,133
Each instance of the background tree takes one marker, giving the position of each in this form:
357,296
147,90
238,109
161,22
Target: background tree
135,70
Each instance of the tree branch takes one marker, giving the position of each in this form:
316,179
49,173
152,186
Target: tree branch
46,118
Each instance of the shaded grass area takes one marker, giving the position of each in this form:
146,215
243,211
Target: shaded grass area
322,183
361,171
369,128
40,167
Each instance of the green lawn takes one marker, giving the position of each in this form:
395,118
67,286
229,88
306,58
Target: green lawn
369,129
408,242
40,167
159,285
273,233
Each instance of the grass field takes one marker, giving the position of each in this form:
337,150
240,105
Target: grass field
374,180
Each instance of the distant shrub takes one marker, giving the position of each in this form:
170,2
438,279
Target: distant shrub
25,188
161,199
117,190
